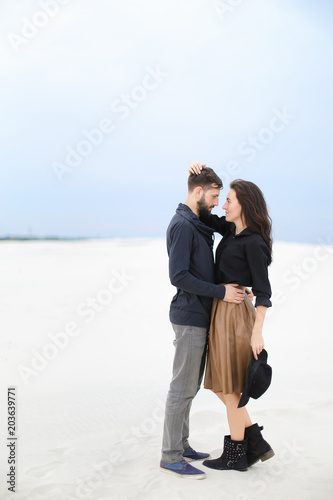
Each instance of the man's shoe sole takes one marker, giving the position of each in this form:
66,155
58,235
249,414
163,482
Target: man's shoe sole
184,476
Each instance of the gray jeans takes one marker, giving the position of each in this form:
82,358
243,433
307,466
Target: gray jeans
188,367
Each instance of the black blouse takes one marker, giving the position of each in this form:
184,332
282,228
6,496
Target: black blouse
242,259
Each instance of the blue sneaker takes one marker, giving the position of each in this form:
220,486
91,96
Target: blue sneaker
189,454
182,469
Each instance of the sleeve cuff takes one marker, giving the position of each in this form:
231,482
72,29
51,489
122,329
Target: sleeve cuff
263,301
221,292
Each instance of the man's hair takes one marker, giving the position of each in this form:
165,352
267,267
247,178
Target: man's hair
207,180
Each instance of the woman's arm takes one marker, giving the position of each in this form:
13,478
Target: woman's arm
257,340
257,254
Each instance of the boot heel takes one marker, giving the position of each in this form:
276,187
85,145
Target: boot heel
267,455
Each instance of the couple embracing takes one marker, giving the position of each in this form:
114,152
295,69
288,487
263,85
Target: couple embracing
212,297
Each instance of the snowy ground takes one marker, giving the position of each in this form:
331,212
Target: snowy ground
86,342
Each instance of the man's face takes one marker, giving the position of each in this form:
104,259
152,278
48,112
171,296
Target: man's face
209,199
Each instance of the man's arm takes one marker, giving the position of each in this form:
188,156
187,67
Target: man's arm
180,276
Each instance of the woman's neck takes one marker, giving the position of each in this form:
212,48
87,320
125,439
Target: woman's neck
239,227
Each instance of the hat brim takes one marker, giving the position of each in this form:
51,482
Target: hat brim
253,362
244,399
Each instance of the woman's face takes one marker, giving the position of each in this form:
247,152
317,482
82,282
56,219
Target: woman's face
232,207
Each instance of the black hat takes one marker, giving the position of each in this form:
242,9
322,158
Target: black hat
259,376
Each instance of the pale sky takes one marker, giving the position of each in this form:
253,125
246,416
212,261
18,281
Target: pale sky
104,105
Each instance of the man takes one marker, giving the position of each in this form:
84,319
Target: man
191,270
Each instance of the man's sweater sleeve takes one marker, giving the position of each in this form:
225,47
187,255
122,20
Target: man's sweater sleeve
179,250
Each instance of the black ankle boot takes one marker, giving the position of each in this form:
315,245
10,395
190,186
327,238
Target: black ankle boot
257,447
233,456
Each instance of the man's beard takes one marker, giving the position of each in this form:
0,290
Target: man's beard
204,211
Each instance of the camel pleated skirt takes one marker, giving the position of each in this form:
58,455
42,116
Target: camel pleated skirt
229,349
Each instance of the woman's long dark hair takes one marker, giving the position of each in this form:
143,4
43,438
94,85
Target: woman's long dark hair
254,209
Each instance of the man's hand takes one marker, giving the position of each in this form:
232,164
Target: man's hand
195,167
249,293
233,294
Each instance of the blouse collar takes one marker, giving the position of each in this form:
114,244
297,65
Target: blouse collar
246,232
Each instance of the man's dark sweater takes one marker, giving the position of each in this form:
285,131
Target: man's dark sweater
191,269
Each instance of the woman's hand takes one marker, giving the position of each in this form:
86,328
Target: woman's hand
195,167
257,341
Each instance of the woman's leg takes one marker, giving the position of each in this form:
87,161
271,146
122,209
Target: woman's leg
234,453
238,418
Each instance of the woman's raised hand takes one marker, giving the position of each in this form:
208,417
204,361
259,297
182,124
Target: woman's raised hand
195,167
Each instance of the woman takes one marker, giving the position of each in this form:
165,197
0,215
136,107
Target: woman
242,257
